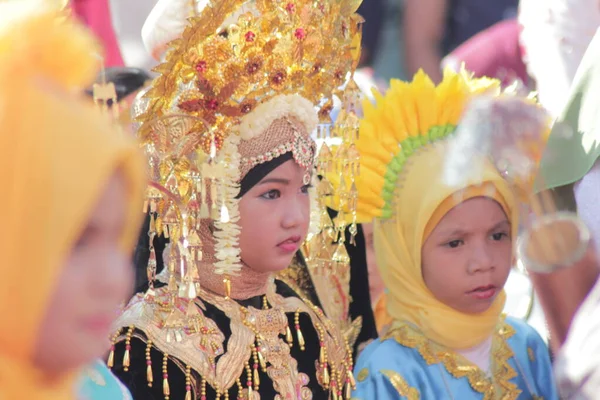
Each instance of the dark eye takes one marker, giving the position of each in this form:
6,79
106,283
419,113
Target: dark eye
85,238
81,242
454,243
271,194
499,236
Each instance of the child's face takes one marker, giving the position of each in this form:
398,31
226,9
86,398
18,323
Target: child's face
97,277
467,258
274,219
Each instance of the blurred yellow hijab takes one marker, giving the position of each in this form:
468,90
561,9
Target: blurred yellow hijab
403,144
56,155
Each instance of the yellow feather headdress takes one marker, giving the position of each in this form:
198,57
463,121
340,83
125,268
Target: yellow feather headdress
408,116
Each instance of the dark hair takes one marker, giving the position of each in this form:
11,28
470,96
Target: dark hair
127,80
373,11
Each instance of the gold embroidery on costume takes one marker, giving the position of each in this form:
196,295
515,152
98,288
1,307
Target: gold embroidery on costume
403,388
362,374
254,333
297,277
459,367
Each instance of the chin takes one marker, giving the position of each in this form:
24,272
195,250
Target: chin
278,267
479,309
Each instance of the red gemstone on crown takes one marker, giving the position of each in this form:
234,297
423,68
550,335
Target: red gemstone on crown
212,104
201,67
250,36
278,78
300,33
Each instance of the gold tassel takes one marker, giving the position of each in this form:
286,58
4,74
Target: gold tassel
348,390
326,379
256,377
322,358
249,392
351,377
126,356
288,336
227,283
166,388
262,361
298,331
111,358
188,395
300,339
149,376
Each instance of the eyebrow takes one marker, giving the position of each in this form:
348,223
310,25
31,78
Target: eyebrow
460,232
275,180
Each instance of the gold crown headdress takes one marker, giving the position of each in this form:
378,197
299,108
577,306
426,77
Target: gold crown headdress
282,47
217,86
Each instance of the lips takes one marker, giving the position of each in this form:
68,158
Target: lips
291,244
483,292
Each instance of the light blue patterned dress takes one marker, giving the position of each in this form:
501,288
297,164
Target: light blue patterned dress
403,364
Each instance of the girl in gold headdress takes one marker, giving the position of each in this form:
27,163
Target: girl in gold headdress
444,252
227,126
71,186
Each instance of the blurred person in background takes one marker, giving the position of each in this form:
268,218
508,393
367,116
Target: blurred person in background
72,189
434,28
96,15
554,35
494,52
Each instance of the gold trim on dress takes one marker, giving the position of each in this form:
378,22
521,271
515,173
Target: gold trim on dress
459,367
193,340
398,382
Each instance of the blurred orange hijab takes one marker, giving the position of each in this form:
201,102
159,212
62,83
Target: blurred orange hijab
56,154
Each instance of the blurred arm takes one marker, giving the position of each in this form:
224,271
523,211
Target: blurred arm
424,22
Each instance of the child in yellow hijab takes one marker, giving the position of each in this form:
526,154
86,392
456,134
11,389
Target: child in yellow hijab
444,254
71,191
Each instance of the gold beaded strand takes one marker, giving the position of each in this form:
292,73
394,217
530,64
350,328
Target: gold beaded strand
149,375
127,356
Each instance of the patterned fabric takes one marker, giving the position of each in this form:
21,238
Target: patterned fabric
406,365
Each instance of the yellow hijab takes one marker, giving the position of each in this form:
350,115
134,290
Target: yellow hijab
421,201
56,154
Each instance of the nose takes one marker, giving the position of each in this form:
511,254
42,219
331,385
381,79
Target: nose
481,259
297,213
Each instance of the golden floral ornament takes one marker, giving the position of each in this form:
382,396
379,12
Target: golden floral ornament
277,45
